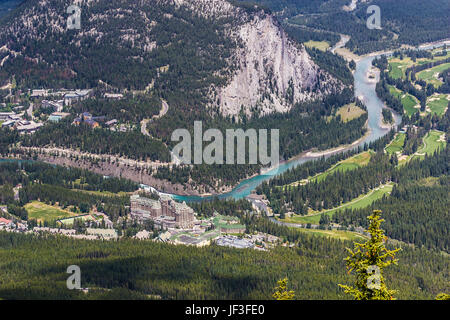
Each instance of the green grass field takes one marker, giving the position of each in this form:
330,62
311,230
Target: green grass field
349,112
43,212
69,220
429,75
395,92
408,101
334,234
361,202
351,163
432,142
438,104
397,144
321,45
397,68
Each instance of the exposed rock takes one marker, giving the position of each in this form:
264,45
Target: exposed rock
274,72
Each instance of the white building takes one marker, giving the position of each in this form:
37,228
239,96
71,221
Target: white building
75,96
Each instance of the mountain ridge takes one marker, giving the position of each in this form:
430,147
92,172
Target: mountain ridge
245,60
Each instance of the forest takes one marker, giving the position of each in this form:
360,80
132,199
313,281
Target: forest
307,126
131,144
65,186
409,22
34,267
403,207
130,109
415,212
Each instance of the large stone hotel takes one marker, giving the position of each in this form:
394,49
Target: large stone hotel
165,212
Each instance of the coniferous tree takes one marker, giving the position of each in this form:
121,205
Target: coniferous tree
281,292
368,260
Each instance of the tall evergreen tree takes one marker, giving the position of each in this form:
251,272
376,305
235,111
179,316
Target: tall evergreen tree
368,260
281,292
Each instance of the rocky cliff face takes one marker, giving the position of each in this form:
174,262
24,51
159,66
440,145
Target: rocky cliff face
274,73
257,69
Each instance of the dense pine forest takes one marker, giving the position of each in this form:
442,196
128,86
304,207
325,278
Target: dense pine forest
154,52
63,186
414,212
409,22
406,200
130,144
35,268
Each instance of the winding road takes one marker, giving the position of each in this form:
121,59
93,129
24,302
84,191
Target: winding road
162,113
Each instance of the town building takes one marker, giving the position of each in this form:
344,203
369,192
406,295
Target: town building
91,123
192,241
75,96
165,212
18,108
142,235
234,242
88,119
5,223
116,96
111,122
8,123
39,93
102,233
27,126
6,115
56,106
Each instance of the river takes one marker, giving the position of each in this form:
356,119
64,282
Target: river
363,89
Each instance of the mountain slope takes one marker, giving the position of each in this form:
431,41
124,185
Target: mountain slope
199,52
274,73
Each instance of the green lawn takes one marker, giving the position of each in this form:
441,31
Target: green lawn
361,202
397,144
349,112
397,69
335,234
68,221
408,101
44,212
321,45
438,104
438,50
429,75
395,92
432,142
351,163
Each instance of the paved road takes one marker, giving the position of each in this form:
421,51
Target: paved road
341,43
162,113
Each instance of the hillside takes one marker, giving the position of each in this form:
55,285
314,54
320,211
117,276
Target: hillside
202,52
409,22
